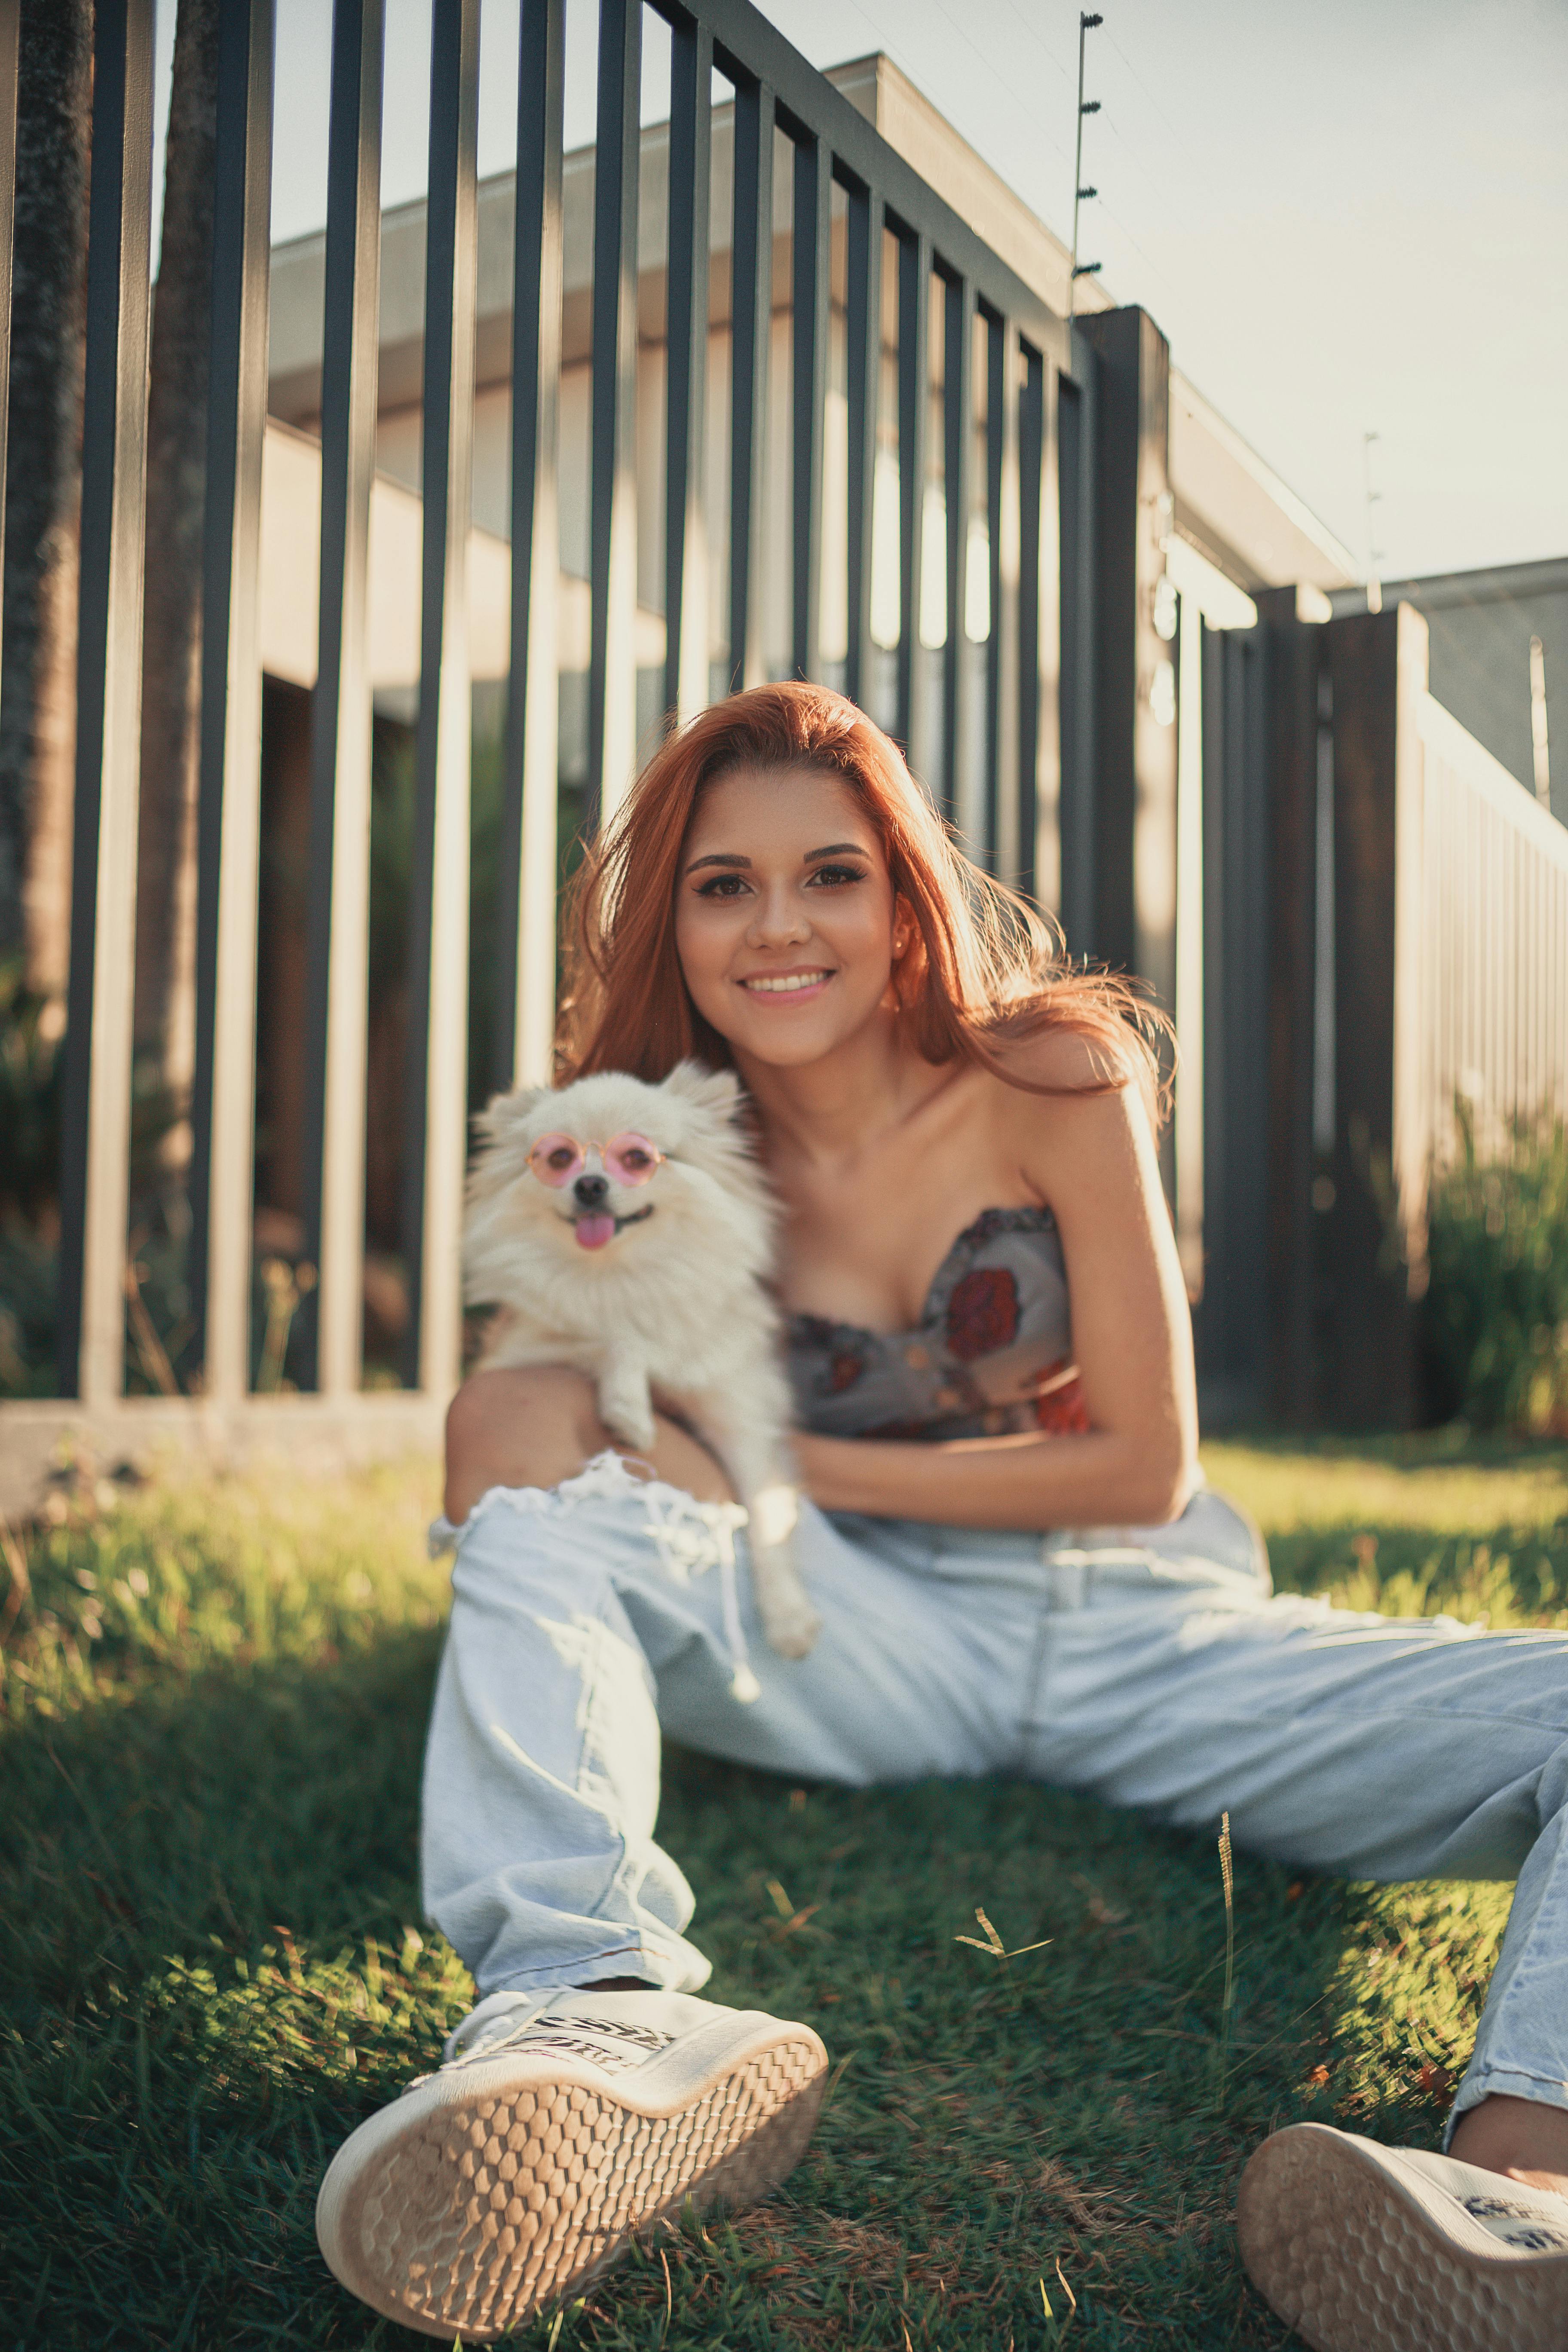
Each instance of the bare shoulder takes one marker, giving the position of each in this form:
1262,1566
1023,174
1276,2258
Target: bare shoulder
1061,1057
1062,1093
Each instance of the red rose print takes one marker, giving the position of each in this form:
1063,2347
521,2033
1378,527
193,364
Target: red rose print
845,1371
983,1312
1063,1411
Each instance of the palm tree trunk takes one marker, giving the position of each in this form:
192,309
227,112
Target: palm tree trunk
37,663
176,480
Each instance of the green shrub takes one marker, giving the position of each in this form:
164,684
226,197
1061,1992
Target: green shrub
1498,1304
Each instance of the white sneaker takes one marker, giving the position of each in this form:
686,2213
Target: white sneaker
560,2123
1370,2249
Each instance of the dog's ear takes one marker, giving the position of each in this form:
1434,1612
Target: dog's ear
718,1092
504,1114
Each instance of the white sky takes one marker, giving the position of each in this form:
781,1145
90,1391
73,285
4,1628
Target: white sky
1346,217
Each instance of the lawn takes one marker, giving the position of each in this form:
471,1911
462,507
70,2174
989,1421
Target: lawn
212,1961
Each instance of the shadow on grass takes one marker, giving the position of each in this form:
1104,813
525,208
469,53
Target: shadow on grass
213,1970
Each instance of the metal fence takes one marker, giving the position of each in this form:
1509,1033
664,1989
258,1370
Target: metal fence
1492,921
1386,933
988,740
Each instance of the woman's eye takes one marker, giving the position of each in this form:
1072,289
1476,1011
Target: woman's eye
722,886
834,876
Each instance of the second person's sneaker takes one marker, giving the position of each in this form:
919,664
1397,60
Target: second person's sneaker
1370,2249
559,2125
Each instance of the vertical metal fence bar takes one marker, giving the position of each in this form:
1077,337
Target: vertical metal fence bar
1005,833
685,505
1040,777
914,389
10,21
612,681
96,1110
1031,413
809,325
524,1013
228,812
958,436
435,1095
864,328
751,315
332,1185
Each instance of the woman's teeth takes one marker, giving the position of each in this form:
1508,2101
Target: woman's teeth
785,982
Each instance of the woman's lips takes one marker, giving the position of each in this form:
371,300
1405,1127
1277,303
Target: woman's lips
787,987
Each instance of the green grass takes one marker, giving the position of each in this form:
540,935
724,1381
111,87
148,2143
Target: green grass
212,1962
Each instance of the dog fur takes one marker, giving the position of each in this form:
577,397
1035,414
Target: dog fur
675,1304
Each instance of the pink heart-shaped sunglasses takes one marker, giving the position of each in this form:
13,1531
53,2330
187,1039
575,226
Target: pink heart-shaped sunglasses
630,1158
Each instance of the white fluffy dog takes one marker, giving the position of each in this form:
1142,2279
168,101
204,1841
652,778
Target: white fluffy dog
624,1230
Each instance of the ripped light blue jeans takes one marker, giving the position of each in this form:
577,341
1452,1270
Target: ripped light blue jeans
1153,1668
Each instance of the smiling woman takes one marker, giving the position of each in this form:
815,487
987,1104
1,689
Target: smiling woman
1002,1530
975,970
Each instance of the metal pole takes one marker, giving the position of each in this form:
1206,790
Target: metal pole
613,495
223,1101
525,920
1084,25
332,1177
436,1083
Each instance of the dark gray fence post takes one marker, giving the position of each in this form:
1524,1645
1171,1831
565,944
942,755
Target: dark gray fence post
434,1098
1008,827
813,286
958,436
1075,446
95,1149
525,914
223,1103
914,399
1135,843
612,675
1233,1320
337,937
750,335
686,333
1371,1369
1291,653
864,328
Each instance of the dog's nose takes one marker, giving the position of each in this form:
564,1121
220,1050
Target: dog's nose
590,1192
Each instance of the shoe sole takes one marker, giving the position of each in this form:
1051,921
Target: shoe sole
497,2189
1340,2250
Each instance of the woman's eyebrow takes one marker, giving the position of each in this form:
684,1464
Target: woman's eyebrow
730,858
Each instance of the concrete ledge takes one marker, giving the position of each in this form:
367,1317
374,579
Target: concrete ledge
307,1436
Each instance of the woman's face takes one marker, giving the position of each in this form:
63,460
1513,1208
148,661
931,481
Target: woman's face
785,919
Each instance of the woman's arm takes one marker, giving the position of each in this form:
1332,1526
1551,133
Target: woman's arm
1093,1158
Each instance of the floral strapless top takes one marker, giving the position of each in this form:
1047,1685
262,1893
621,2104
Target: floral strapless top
991,1354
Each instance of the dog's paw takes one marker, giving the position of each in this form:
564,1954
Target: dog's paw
789,1620
626,1408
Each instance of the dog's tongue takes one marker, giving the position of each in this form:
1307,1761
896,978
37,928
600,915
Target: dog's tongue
592,1232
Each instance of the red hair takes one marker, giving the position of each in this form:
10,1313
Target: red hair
983,971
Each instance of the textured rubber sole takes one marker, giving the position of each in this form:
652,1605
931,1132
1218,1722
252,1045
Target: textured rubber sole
478,2210
1352,2262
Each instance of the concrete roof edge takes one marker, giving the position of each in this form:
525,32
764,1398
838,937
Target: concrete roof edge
1244,455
